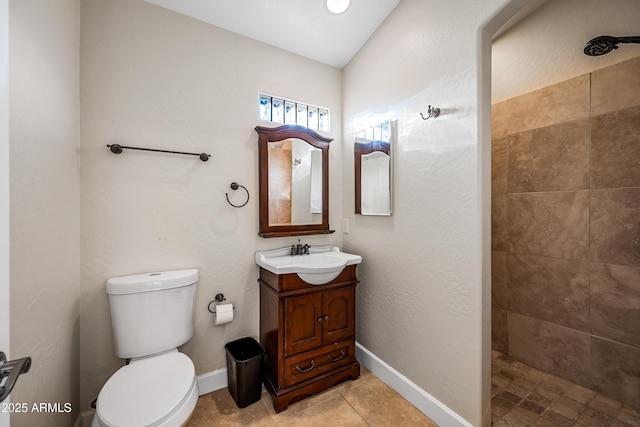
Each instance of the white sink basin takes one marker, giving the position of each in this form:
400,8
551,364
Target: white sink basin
320,266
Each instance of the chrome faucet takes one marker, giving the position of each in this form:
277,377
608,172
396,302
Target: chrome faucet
299,249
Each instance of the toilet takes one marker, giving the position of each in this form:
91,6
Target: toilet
151,315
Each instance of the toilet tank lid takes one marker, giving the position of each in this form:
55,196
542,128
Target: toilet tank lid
149,282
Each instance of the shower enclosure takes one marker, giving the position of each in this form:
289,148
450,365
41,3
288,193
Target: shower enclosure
566,230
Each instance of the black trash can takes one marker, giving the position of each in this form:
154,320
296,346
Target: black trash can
244,360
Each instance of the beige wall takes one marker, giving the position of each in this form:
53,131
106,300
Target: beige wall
566,230
5,315
154,78
45,204
422,306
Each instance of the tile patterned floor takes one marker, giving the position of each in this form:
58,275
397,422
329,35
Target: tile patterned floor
366,401
523,396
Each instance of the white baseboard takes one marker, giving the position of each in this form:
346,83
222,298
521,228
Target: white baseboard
212,381
427,404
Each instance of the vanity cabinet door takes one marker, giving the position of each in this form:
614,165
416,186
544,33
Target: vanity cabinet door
339,314
303,323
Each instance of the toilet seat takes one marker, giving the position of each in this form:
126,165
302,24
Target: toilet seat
148,391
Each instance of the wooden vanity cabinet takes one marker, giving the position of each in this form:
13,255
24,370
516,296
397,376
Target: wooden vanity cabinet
308,333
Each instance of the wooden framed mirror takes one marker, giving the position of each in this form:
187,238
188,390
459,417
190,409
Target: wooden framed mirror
373,169
293,163
372,177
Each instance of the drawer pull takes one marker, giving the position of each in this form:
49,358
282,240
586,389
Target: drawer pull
342,355
313,365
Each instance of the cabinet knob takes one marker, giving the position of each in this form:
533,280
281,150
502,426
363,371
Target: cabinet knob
321,319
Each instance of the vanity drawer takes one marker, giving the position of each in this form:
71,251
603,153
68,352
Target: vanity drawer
312,363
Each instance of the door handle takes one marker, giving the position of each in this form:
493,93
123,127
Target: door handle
12,370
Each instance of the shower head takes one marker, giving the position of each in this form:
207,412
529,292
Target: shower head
605,44
600,45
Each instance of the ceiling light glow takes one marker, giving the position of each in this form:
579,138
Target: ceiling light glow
337,6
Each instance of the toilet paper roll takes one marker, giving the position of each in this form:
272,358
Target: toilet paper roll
224,314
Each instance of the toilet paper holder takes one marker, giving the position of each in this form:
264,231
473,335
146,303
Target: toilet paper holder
217,298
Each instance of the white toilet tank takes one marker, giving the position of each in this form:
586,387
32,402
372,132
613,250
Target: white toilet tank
153,312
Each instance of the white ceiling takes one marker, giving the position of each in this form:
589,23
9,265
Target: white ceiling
304,27
541,45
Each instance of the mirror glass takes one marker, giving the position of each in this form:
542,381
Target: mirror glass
294,181
372,155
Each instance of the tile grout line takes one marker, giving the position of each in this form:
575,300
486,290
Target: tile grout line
355,410
587,412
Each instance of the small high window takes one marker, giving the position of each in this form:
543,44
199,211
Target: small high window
280,110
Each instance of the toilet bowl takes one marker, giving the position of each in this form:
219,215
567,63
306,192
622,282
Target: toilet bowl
151,316
153,391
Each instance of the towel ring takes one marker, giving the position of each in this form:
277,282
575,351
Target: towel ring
235,186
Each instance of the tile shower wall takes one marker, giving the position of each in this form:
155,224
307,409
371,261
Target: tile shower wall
566,230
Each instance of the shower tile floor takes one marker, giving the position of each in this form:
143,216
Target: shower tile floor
523,396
